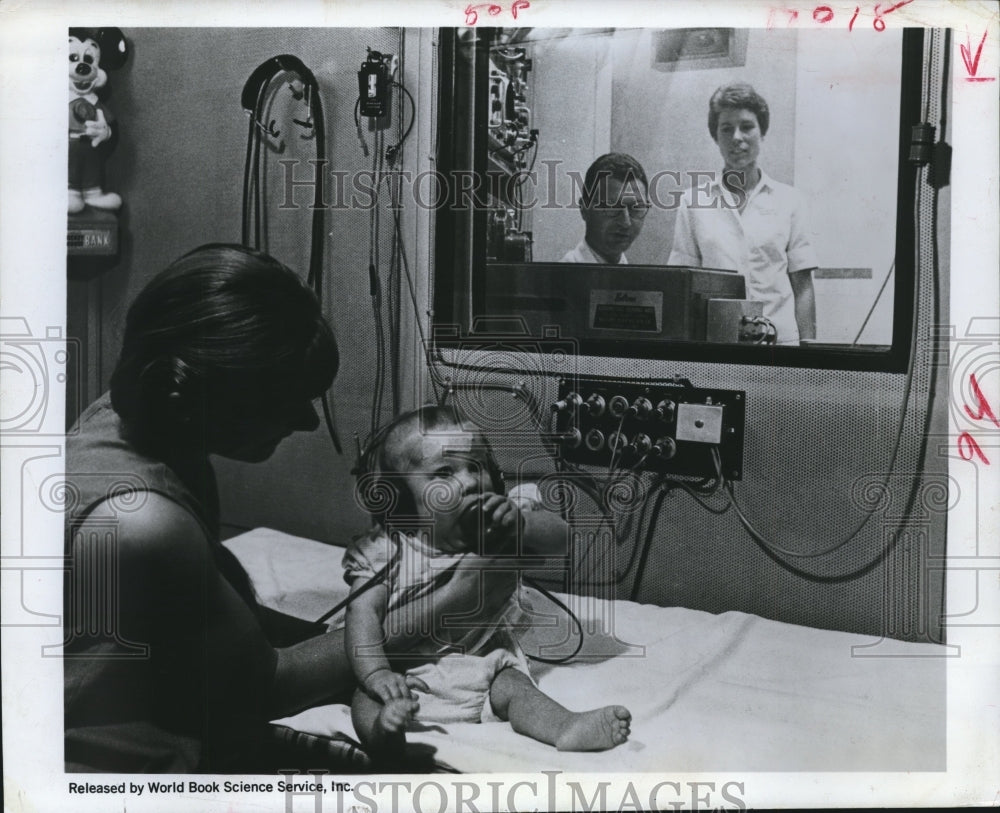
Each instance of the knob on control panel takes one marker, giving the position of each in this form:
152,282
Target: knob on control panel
566,403
664,448
594,440
640,445
596,405
641,407
618,406
666,409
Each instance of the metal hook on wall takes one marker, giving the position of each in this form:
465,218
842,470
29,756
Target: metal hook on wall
308,123
269,129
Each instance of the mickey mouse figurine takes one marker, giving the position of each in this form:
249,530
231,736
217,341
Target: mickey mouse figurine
89,119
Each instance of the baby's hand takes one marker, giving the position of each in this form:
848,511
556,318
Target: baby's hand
503,520
396,715
386,685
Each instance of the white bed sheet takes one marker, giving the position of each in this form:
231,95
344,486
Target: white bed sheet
727,692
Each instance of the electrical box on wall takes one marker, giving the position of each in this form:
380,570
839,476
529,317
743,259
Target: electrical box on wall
373,85
669,427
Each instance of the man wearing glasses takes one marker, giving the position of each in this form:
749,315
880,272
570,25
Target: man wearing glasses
613,206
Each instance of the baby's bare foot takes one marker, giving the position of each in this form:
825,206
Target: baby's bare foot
596,730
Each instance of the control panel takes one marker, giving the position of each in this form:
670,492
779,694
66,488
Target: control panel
669,427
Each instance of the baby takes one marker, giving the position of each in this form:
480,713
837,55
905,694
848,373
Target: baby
452,515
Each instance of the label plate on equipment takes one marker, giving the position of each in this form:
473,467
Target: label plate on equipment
638,311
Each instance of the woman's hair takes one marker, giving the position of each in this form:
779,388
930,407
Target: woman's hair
737,96
617,165
223,325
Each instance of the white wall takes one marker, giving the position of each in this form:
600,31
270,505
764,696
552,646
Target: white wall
847,95
571,78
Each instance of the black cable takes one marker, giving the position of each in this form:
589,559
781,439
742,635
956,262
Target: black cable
357,124
935,248
658,484
618,438
377,211
392,152
375,290
395,316
254,99
377,579
878,296
647,543
694,495
380,577
247,163
518,187
517,390
316,241
775,552
255,184
251,193
260,157
570,613
531,167
596,494
417,316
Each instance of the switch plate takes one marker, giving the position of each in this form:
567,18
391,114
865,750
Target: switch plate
699,423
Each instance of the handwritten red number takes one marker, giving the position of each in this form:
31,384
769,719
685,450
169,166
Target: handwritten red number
879,23
517,6
822,14
984,407
967,443
472,12
792,13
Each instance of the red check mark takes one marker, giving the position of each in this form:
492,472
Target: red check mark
972,63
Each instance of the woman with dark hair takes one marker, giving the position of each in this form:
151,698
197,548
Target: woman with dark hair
169,666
